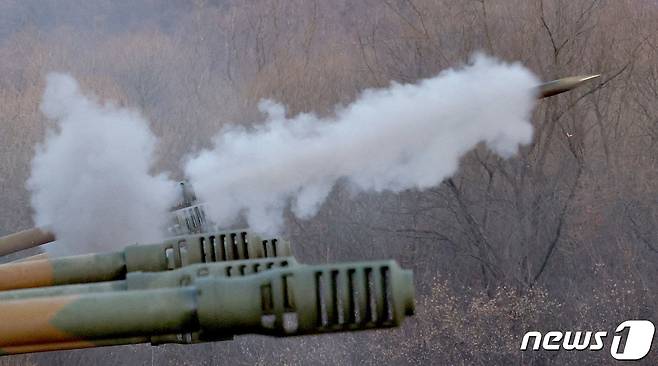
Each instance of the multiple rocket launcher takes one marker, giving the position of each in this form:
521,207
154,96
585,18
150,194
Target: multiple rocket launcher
192,289
195,288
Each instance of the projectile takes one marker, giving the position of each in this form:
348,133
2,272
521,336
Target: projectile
558,86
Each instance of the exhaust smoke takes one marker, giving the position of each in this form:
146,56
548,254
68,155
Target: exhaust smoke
91,185
90,179
403,137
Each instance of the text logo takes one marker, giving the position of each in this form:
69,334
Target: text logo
638,336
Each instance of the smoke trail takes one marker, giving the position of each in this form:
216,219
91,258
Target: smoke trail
90,180
402,137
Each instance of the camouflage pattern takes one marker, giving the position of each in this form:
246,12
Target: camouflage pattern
288,301
170,254
149,280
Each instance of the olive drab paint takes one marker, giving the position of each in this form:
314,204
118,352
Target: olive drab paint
170,254
286,301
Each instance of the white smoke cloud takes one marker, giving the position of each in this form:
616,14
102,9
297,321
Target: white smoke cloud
402,137
90,180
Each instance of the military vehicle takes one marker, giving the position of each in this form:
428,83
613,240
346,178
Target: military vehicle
170,254
287,301
201,285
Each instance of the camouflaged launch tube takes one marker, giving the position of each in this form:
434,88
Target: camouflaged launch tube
292,301
25,239
171,254
147,280
150,280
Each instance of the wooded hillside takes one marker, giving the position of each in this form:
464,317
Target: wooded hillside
563,236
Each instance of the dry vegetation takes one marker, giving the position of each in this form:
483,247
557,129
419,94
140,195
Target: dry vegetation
561,237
